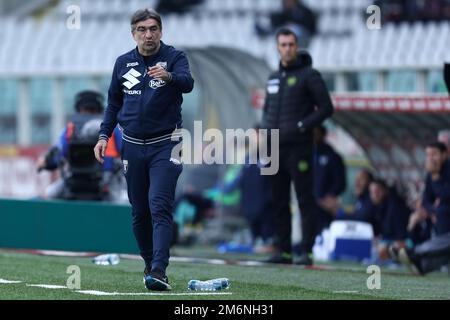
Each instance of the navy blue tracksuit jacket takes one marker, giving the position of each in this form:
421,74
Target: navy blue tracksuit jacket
329,172
149,111
329,178
144,107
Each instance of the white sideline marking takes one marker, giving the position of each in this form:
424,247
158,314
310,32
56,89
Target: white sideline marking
252,263
189,259
64,253
136,257
346,291
199,260
4,281
47,286
102,293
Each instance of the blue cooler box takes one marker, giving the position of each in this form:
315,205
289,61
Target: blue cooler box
352,249
345,240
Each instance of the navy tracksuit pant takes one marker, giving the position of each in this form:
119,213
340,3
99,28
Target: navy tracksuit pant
152,176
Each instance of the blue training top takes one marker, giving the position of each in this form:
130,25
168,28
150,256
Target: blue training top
143,106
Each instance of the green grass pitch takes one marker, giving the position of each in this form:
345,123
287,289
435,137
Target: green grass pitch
345,281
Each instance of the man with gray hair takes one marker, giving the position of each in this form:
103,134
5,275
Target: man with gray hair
145,97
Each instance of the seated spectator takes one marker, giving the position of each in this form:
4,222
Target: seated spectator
436,196
256,201
330,178
363,209
391,213
414,10
294,15
434,253
444,137
175,6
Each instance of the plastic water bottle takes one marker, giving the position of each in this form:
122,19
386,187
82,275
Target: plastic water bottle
209,285
110,259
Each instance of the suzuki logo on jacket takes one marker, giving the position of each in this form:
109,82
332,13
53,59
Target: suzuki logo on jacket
131,76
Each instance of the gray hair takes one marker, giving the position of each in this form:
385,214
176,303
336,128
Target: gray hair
144,14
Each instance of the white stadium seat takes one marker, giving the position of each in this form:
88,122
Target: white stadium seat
343,39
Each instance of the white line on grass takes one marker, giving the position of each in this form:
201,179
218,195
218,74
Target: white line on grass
200,260
64,253
345,291
102,293
4,281
47,286
204,260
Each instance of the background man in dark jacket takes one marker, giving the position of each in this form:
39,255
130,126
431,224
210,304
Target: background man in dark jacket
298,17
363,210
297,100
434,253
295,15
330,178
391,214
436,196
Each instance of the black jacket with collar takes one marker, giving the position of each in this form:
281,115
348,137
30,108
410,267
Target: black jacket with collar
296,93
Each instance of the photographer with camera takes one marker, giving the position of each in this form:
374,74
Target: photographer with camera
82,177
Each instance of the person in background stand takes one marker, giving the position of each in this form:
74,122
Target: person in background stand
330,179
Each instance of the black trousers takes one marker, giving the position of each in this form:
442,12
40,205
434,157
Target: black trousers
296,165
434,253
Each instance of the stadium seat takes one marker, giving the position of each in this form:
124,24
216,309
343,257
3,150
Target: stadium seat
343,40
